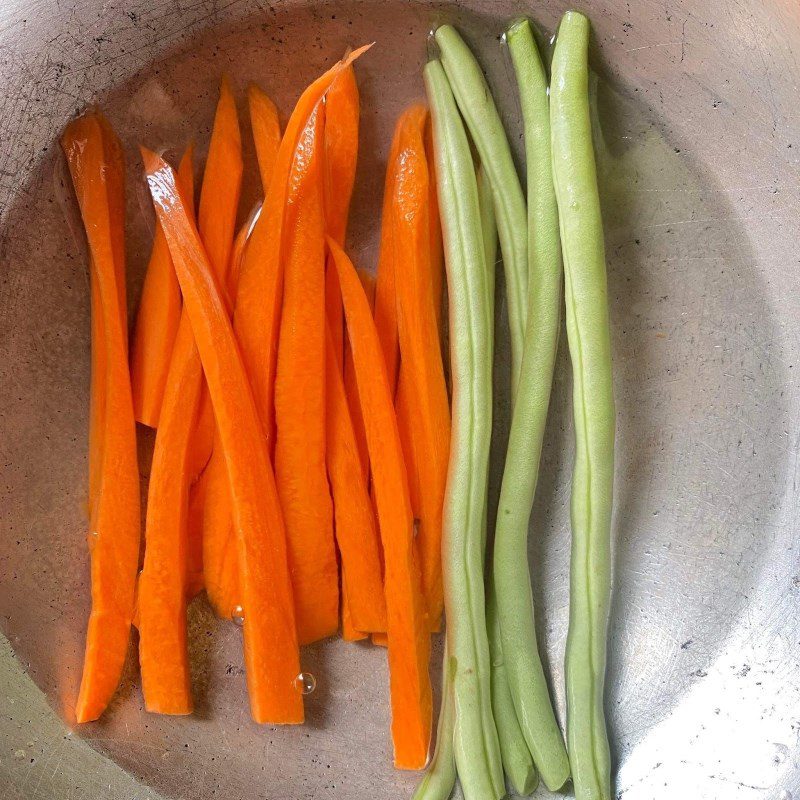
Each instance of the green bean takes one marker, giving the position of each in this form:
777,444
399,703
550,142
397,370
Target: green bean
575,177
477,752
526,677
480,113
440,777
516,757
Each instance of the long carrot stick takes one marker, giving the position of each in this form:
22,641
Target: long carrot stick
409,642
157,319
114,482
257,322
216,220
421,370
266,132
271,652
300,471
356,530
179,453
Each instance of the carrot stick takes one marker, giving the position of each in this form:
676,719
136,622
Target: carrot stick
266,132
434,228
157,319
114,481
385,294
300,472
409,642
163,652
257,322
349,632
356,530
421,370
198,494
216,219
271,651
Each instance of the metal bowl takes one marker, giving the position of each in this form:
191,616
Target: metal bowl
698,143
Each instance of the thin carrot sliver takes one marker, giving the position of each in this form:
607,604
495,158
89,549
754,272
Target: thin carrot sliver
423,388
407,625
356,529
162,597
198,493
300,471
266,132
271,651
92,152
157,318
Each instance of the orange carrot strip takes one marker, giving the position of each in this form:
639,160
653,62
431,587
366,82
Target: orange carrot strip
270,642
114,482
216,219
341,155
257,322
381,638
356,531
210,503
409,642
266,132
300,471
198,494
163,652
385,294
349,632
158,317
422,373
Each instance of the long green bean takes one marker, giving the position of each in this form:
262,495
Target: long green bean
511,572
480,113
575,177
517,760
477,751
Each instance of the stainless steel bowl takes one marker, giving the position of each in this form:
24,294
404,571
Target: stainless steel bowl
699,140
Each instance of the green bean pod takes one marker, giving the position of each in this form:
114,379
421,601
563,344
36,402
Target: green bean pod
480,114
477,751
575,177
523,666
440,777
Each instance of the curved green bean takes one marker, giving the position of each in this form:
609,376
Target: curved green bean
517,760
511,573
477,751
440,777
575,178
480,113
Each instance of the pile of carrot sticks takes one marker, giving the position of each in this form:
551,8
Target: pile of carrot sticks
300,405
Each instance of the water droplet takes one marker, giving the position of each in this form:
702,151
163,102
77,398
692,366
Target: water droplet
305,683
93,533
416,528
552,40
237,615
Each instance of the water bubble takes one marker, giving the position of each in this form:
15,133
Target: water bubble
93,533
305,683
237,615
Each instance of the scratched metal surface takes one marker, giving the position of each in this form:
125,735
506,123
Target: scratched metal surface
699,143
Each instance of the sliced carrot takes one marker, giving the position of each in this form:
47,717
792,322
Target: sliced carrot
216,219
163,652
300,471
407,625
256,322
271,651
422,381
266,132
356,530
198,493
157,319
341,155
114,482
349,632
381,638
385,294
